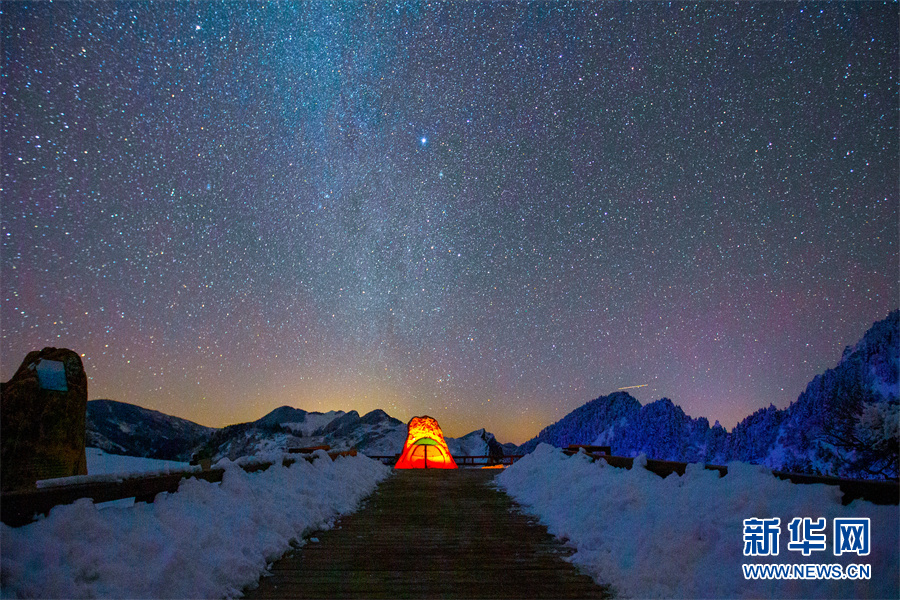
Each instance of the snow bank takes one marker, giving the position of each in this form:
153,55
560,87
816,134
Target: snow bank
682,537
206,541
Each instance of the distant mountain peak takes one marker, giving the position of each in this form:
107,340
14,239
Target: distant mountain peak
862,390
281,415
379,416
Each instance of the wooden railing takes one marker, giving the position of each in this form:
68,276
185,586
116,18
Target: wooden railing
486,460
573,448
463,461
20,507
877,492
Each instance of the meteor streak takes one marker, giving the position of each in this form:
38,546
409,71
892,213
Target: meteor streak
631,387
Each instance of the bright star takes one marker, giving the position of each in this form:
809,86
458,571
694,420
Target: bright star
424,140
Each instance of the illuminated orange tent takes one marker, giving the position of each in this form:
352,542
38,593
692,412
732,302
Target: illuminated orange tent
425,447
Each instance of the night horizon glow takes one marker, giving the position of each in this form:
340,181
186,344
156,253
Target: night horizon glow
487,213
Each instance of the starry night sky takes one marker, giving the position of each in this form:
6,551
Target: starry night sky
488,213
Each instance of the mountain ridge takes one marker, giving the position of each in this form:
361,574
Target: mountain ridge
121,428
857,399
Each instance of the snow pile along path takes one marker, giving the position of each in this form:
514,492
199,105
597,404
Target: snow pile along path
682,537
205,541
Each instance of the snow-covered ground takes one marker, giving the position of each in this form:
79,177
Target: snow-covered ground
205,541
683,537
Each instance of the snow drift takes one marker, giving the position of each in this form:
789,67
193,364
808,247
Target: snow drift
682,537
205,541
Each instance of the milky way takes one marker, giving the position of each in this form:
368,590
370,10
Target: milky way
488,213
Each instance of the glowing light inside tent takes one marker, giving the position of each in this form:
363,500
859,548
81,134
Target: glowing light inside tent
425,447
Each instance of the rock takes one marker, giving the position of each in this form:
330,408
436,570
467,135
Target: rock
495,451
42,417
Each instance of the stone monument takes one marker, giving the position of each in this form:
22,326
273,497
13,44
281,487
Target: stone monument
42,419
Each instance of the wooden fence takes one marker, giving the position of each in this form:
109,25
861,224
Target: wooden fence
877,492
20,507
463,461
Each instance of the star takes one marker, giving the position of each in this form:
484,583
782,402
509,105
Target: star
249,207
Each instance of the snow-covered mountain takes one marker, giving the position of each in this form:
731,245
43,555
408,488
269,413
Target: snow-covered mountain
846,421
375,433
479,443
844,424
659,429
120,428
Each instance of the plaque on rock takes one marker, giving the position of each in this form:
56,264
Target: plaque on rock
52,375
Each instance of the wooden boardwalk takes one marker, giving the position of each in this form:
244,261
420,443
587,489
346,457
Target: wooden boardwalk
431,534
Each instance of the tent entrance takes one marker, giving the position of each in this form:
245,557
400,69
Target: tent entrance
426,449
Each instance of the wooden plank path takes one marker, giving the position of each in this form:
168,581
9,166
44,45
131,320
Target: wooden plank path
431,534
